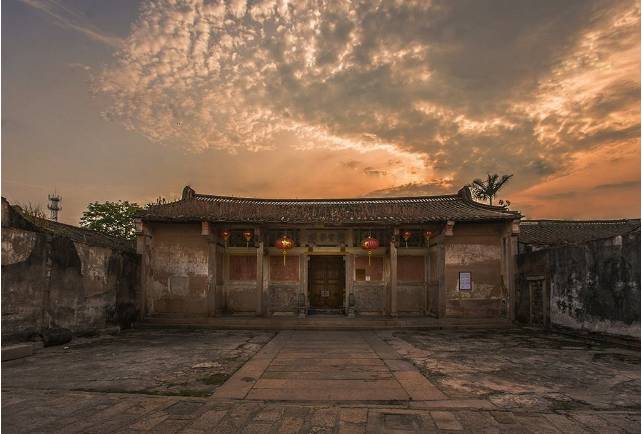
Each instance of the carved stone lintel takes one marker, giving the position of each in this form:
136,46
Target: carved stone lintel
448,229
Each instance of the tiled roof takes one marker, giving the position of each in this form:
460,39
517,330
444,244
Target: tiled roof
421,209
561,232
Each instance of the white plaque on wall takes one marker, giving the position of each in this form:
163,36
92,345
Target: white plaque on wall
465,281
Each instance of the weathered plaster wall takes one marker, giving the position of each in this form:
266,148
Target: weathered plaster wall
284,272
369,297
411,289
52,281
369,284
411,268
593,287
240,297
371,271
475,248
284,283
240,287
411,298
283,297
242,267
178,270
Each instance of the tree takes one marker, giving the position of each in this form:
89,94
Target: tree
111,218
486,190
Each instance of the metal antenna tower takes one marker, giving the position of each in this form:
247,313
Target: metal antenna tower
54,206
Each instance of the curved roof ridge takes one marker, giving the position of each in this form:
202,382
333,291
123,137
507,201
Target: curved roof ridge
343,199
466,195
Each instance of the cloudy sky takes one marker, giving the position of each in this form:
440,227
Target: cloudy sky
116,99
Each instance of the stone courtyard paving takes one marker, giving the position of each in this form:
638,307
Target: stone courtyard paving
402,381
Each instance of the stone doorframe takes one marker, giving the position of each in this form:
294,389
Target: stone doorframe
327,251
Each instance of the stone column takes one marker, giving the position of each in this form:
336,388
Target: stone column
212,272
208,232
143,248
349,269
260,304
441,278
302,296
511,274
427,279
393,274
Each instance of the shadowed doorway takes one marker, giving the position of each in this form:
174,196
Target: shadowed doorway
326,284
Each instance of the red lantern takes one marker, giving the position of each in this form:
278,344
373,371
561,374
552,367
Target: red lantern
225,233
248,235
370,245
427,236
284,244
406,235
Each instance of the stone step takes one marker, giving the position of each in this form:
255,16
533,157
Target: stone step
320,323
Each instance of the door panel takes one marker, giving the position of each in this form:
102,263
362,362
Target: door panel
326,282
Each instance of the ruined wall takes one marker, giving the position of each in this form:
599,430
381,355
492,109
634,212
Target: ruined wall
178,269
475,249
594,286
51,280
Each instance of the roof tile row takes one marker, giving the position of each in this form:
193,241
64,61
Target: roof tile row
424,209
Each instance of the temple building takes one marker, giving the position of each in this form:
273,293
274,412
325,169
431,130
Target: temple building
440,256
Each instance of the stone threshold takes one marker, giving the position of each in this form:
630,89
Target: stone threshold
324,323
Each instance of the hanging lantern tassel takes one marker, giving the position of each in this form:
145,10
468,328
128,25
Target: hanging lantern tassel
370,245
284,244
427,236
226,235
406,236
248,235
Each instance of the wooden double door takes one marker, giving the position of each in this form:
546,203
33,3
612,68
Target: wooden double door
326,282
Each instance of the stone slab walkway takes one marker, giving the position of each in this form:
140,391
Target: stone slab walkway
212,381
64,412
328,365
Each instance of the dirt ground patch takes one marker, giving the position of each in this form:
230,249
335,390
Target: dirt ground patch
156,362
521,368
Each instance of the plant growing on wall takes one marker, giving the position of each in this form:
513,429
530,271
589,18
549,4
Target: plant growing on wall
487,190
111,218
32,211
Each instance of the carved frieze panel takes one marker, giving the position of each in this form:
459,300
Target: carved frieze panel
326,237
